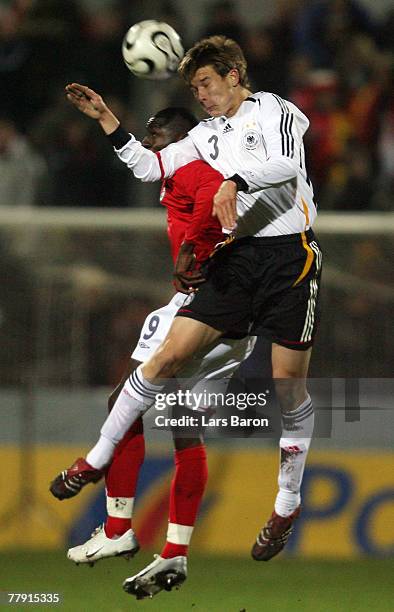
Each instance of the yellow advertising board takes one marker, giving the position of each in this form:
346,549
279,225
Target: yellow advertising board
348,502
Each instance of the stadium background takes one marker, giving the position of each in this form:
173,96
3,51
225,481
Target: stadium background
84,258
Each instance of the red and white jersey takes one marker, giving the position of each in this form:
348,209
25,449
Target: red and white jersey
262,143
188,197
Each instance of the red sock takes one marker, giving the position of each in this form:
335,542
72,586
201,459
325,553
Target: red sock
122,476
187,489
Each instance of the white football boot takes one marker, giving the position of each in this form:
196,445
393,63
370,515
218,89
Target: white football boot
100,547
158,575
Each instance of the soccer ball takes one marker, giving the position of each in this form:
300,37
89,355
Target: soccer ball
152,50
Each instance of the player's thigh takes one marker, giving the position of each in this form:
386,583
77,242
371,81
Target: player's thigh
289,371
220,359
185,337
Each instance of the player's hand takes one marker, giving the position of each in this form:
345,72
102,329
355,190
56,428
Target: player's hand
225,205
186,277
86,100
91,104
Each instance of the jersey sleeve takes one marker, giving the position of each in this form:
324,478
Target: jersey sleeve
202,223
149,166
281,137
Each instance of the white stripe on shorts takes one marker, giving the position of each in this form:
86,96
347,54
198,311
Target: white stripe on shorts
306,335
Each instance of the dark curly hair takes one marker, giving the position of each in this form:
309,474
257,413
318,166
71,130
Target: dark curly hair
174,118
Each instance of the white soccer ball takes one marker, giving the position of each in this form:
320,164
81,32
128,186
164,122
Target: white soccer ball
152,50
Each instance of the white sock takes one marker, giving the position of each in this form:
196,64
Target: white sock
297,430
136,397
120,507
101,453
179,534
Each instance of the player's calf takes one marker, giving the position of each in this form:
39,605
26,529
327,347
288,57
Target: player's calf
70,482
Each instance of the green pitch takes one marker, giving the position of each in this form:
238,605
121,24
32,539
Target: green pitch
214,585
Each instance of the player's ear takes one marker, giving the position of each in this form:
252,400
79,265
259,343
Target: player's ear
234,77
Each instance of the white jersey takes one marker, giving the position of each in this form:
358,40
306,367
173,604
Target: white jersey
263,144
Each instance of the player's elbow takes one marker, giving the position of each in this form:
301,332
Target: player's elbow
148,178
279,170
289,166
145,176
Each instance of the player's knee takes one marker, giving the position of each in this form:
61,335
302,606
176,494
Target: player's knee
285,372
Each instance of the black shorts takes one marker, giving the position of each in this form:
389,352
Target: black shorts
264,287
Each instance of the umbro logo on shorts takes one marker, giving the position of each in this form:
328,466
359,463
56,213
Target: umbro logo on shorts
143,345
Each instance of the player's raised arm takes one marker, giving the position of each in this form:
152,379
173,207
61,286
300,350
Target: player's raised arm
145,165
149,166
91,104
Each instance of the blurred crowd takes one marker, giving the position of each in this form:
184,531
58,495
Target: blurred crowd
331,57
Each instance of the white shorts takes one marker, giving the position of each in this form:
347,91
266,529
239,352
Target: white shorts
219,361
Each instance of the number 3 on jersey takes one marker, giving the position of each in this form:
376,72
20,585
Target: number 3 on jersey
214,140
153,324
